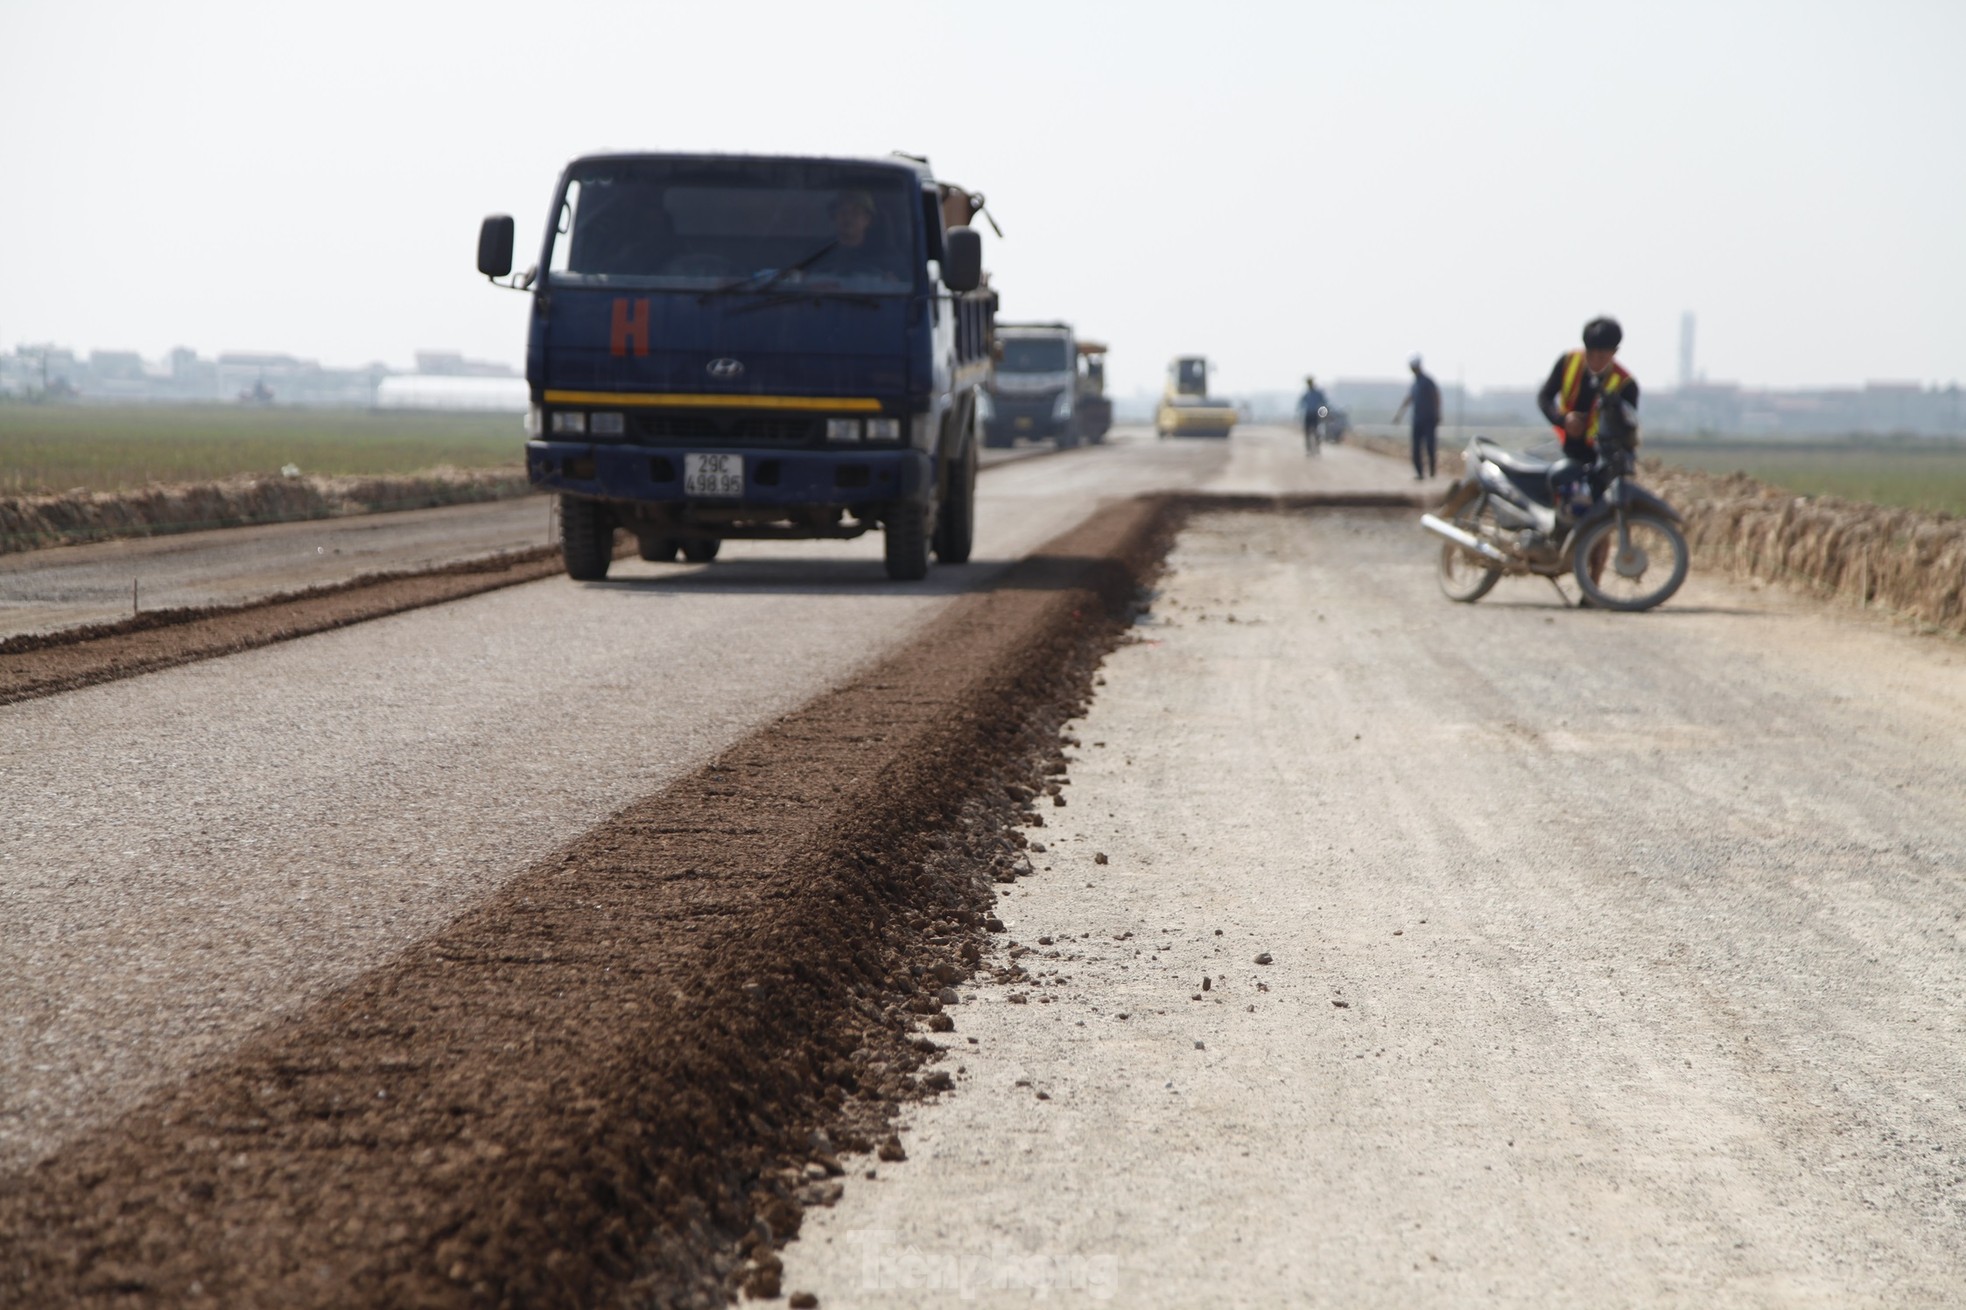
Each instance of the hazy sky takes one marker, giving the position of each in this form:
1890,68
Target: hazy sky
1284,186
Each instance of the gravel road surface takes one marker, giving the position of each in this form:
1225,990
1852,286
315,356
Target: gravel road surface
194,851
1552,957
64,587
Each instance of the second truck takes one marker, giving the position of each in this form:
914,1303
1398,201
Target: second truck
1048,385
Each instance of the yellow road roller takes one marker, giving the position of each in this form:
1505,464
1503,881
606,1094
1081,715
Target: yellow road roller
1186,408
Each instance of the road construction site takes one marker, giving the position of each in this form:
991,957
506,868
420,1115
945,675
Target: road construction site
1182,903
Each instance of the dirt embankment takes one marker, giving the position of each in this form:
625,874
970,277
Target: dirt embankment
42,664
32,522
1910,562
624,1077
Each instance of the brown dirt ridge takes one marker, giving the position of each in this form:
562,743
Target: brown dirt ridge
621,1079
42,664
36,521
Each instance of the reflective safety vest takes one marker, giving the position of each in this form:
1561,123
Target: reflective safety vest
1573,385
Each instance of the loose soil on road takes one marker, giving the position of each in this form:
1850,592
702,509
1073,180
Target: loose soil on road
605,1081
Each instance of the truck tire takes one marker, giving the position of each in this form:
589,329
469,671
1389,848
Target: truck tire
701,551
658,550
955,526
586,538
904,542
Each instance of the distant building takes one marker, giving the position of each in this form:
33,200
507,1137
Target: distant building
451,364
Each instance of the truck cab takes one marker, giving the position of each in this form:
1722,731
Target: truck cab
761,347
1034,391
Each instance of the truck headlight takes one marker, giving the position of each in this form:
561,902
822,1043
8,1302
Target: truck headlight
606,424
569,420
986,408
843,429
883,429
1062,407
532,421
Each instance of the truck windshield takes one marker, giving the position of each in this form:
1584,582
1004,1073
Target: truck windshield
698,225
1034,355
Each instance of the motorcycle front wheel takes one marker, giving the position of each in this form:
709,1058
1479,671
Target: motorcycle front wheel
1465,576
1642,571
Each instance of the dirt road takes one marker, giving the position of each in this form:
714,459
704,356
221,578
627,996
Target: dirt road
191,852
1393,952
1374,950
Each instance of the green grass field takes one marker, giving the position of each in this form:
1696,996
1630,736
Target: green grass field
52,448
1928,475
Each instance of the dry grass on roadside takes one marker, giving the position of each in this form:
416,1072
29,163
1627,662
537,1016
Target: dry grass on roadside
52,449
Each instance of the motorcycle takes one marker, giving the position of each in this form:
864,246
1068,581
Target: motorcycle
1315,429
1521,514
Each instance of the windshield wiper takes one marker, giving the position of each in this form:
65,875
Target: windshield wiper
811,295
749,282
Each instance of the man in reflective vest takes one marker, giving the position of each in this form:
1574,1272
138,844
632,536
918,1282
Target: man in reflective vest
1583,382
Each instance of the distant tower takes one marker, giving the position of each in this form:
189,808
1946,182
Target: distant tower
1686,349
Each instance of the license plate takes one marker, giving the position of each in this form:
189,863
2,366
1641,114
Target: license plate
713,475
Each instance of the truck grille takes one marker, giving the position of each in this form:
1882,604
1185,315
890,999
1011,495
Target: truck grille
728,429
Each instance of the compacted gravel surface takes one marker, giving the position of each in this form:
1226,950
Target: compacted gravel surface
1394,952
191,852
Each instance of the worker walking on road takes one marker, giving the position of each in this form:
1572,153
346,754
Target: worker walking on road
1424,397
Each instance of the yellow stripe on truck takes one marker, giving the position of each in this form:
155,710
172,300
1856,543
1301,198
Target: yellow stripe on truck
681,400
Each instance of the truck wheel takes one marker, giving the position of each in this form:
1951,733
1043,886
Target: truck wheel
955,528
659,550
586,538
701,551
905,543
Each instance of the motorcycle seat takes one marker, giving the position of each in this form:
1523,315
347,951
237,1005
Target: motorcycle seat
1511,462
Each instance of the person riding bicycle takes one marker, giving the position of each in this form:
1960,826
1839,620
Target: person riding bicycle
1587,396
1309,404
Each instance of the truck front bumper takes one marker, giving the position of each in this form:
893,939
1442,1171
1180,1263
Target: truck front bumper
774,479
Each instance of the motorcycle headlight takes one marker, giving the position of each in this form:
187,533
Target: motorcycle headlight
1062,407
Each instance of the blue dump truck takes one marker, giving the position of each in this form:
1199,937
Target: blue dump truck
736,346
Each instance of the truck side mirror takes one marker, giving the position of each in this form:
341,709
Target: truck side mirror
495,246
962,259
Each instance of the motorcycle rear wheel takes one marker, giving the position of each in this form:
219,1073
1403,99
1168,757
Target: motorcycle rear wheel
1465,576
1647,576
